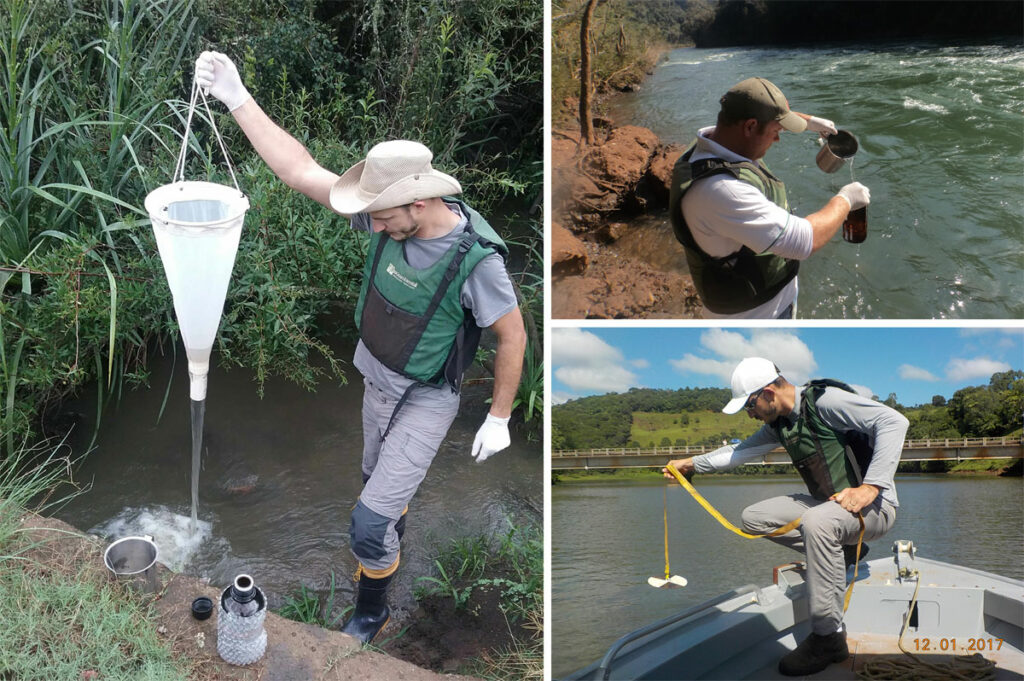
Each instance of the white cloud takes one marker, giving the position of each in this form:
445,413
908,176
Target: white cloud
572,346
586,363
862,390
968,369
559,397
606,379
702,365
794,359
913,373
640,363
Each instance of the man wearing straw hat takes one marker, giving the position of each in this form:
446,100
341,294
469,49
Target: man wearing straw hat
743,246
846,449
434,276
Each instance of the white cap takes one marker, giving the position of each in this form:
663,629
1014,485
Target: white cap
749,376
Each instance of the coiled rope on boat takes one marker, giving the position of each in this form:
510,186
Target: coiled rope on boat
974,667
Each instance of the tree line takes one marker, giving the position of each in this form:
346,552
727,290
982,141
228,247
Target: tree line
605,420
994,409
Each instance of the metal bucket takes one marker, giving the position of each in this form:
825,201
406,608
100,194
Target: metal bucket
133,561
836,151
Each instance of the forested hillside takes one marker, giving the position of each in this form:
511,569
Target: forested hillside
605,420
691,416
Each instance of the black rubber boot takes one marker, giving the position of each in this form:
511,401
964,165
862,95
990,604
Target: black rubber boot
371,613
814,654
850,553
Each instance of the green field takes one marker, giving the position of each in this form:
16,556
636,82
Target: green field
649,429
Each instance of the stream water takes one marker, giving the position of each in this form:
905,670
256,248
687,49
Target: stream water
279,478
198,412
941,149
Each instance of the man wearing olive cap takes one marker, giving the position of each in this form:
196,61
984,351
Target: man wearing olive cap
743,246
434,276
846,449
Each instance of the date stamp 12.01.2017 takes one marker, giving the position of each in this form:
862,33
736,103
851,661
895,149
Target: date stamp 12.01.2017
957,646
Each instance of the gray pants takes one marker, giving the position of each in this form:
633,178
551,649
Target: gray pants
825,528
394,467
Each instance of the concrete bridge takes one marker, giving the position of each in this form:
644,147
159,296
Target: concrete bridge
950,449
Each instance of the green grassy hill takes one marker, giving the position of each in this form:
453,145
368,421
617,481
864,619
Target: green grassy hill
705,427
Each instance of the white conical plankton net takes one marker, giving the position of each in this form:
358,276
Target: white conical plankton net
197,227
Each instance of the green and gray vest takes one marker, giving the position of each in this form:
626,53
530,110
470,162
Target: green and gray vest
412,320
828,460
739,281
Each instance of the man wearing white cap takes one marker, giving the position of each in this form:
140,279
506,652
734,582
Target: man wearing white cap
434,276
730,213
846,449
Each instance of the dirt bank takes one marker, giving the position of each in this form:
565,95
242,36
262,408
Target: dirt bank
295,651
596,191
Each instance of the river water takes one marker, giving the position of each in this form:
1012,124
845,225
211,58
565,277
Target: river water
279,478
607,539
941,149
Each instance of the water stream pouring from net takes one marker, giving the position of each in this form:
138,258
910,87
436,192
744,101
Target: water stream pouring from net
197,227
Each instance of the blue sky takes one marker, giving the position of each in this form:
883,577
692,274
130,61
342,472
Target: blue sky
915,363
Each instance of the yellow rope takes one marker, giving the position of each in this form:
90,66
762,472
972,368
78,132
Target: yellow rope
856,564
665,495
729,526
960,668
719,517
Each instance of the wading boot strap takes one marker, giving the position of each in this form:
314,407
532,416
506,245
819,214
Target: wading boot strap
401,403
371,613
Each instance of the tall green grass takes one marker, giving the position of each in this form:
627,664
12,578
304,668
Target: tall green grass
60,614
85,123
91,119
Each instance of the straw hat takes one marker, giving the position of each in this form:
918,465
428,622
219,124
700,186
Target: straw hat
393,174
750,375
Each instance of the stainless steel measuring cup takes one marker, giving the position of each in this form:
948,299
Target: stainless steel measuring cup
133,560
836,151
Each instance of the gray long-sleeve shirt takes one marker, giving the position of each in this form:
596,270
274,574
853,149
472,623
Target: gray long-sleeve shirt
841,410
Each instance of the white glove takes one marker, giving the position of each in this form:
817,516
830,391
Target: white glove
856,194
821,125
218,76
491,438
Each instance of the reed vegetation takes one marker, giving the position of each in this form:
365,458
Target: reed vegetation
94,97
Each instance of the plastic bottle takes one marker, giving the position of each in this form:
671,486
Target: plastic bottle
243,597
855,226
241,638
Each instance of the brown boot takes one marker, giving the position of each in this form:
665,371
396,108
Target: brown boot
814,654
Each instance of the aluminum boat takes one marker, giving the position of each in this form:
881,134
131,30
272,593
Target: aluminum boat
743,634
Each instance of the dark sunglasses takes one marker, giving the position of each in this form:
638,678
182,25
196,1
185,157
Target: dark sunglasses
752,400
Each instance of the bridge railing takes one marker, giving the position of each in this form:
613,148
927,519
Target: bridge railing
673,451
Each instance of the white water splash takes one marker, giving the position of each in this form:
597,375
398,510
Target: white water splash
176,543
911,103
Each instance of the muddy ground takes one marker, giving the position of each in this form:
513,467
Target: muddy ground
436,643
441,638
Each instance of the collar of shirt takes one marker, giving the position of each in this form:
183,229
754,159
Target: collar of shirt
708,148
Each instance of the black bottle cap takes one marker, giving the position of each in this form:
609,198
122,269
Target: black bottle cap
202,607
